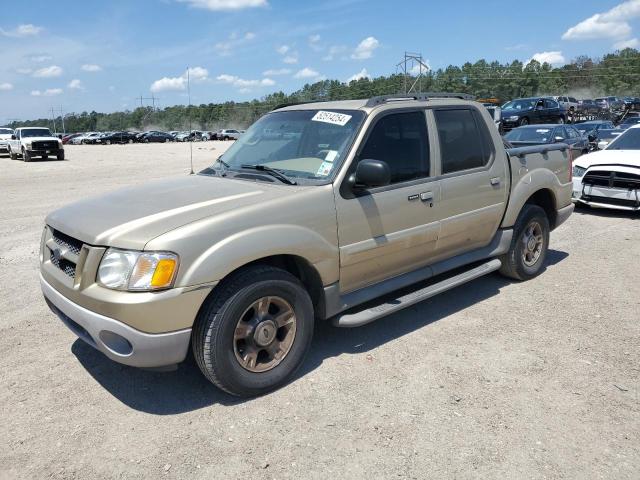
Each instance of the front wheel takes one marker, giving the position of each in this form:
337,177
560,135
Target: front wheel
524,121
12,155
60,155
26,157
253,333
528,250
560,120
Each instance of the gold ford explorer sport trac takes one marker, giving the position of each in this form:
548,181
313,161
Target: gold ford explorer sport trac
320,211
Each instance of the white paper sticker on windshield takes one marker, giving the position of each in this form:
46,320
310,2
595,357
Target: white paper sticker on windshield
331,117
542,130
331,156
325,169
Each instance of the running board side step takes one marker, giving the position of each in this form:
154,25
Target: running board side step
389,306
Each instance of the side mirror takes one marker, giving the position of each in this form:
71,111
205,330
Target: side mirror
372,173
13,137
558,139
591,137
602,145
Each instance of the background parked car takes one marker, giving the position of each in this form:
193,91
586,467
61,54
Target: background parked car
67,138
156,137
588,107
629,122
605,137
228,134
5,136
533,110
586,128
570,104
117,137
631,103
610,103
548,134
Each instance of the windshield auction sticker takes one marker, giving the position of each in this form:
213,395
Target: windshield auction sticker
331,117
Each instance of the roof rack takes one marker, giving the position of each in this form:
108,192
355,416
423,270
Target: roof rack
373,101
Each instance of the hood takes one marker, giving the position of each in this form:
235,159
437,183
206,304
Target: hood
131,217
629,158
39,139
5,136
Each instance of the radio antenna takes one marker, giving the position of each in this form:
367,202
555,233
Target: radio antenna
189,116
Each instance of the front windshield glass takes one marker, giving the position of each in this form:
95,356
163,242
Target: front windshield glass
524,104
299,143
629,140
6,131
36,132
537,135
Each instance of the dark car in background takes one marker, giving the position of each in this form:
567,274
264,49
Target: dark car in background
586,128
629,122
631,103
547,134
117,137
588,107
610,103
605,137
533,110
155,137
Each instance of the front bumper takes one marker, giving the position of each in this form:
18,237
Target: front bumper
39,152
4,148
605,197
115,339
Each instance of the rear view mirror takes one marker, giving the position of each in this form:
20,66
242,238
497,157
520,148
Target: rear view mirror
372,173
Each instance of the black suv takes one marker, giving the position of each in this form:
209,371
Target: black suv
534,110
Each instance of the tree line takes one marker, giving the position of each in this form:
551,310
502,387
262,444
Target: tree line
584,77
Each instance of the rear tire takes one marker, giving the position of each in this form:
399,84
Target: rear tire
528,250
240,366
523,121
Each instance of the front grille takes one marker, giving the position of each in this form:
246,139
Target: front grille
45,145
66,241
612,179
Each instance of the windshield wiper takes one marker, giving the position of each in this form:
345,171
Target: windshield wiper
271,171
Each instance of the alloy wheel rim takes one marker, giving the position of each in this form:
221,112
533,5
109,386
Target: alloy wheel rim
533,241
264,334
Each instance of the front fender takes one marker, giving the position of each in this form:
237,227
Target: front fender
250,245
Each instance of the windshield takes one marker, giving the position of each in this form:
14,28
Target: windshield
629,140
6,131
519,104
36,132
300,143
537,135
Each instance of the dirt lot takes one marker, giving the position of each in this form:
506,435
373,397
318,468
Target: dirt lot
491,380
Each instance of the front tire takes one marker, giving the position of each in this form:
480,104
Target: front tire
523,121
25,156
12,156
560,120
253,333
528,250
60,155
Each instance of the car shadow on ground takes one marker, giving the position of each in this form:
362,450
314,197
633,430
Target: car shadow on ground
186,389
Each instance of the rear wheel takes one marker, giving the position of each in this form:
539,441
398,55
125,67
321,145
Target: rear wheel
560,120
108,142
528,250
524,121
130,141
254,332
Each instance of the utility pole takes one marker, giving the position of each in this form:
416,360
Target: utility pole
189,116
53,119
64,131
412,65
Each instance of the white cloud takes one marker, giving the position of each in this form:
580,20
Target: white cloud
48,72
314,38
306,73
40,58
197,74
49,92
24,30
552,58
24,71
283,49
610,24
630,43
365,48
243,84
90,67
277,71
360,75
5,87
75,84
418,68
290,59
314,43
215,5
224,49
333,51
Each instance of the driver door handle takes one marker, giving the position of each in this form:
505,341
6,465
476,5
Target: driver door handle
495,181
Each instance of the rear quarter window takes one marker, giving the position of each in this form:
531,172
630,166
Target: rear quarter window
463,142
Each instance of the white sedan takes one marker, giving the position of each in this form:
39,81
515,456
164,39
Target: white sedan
610,178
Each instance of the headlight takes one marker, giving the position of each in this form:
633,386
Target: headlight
137,271
578,171
514,118
27,144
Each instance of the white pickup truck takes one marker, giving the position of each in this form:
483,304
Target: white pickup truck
30,142
5,136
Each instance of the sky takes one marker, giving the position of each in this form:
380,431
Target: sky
77,56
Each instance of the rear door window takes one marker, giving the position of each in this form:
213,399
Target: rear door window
462,145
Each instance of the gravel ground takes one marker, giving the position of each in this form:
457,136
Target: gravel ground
491,380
